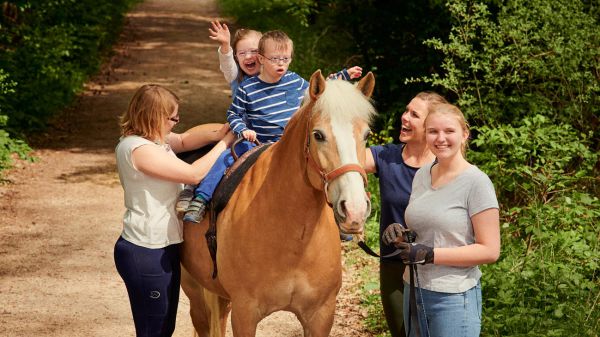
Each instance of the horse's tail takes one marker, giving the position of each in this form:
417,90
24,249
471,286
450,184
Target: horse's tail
208,311
213,308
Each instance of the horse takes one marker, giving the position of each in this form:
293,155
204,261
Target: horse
278,237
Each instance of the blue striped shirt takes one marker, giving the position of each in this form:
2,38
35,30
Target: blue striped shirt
264,107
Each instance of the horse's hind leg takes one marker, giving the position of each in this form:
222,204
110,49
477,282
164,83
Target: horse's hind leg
200,302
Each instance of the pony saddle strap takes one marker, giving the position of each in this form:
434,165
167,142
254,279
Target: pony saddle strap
223,193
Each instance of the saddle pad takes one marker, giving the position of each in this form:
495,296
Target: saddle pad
232,179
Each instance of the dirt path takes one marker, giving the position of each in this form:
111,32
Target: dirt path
60,216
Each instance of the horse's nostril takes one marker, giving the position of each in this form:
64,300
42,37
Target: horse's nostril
343,207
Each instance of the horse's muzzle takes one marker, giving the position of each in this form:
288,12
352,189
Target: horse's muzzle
351,218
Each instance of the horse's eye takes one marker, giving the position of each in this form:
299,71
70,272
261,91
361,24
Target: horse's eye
319,136
367,135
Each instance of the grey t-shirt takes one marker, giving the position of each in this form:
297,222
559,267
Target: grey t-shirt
441,217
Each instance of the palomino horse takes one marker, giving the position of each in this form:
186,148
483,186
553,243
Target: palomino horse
278,243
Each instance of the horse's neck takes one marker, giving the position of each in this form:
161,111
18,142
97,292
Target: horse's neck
288,166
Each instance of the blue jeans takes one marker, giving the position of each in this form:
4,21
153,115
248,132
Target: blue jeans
448,314
209,184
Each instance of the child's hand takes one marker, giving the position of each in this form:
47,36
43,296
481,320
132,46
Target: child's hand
249,135
220,33
355,72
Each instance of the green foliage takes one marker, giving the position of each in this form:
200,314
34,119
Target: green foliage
273,10
546,282
49,48
544,174
369,276
7,144
531,57
535,161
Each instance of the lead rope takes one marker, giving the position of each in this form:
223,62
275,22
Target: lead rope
412,309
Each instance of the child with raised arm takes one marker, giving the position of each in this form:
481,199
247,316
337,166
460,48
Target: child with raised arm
261,109
237,63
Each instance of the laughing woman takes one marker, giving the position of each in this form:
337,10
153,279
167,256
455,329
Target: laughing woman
395,165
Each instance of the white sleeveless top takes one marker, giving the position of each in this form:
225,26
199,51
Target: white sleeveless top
150,218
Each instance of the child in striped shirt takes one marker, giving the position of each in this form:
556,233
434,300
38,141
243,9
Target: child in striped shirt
261,109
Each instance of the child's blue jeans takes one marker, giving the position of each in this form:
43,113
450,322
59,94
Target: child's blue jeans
209,184
448,314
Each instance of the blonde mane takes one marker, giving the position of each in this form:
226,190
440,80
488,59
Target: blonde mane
341,99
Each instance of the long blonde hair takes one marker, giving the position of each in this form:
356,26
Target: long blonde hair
149,107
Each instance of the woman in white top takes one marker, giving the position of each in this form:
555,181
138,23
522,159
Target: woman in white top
454,212
147,252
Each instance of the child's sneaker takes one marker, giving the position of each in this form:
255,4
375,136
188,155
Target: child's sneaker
185,197
195,211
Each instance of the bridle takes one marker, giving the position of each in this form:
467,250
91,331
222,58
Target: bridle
330,176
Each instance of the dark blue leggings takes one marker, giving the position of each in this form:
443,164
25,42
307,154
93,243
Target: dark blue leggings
152,278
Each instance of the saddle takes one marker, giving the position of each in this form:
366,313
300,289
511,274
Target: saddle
223,193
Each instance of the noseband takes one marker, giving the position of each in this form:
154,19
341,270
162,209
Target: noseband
328,177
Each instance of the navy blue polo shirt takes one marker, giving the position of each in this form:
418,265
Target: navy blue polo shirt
395,186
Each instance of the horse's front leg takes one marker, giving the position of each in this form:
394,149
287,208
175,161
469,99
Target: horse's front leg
318,320
245,315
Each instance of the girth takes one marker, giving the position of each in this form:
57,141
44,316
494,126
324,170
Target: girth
223,193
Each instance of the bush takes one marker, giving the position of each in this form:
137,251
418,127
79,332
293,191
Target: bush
546,281
8,145
543,173
535,161
49,48
531,57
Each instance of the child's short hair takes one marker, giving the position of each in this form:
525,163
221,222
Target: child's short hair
150,106
281,39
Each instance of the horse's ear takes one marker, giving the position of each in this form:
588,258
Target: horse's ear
317,85
367,84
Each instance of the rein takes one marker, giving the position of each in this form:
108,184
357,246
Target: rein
330,176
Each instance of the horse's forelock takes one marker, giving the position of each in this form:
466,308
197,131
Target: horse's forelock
341,99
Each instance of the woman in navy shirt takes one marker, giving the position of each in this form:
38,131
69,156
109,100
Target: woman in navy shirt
395,165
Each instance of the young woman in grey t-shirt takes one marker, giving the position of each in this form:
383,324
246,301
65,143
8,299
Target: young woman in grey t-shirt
454,212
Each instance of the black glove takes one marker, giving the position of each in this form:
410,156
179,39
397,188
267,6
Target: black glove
393,234
415,253
396,233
